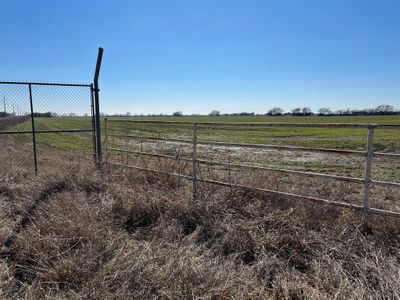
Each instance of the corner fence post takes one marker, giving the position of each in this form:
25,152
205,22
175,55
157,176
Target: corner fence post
93,124
194,160
97,105
33,130
368,168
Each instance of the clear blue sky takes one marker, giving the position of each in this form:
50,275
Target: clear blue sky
195,56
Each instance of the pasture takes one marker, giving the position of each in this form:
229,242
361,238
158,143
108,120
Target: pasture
385,140
333,138
77,231
346,138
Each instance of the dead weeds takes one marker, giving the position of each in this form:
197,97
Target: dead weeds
119,234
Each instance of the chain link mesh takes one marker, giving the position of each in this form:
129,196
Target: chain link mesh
58,118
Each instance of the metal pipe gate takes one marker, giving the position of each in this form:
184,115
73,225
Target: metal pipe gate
366,181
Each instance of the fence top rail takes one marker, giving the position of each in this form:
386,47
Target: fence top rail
46,83
260,124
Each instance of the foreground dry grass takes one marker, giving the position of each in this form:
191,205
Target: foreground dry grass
125,235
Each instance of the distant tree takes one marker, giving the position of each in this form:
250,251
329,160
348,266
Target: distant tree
347,112
384,109
324,111
177,114
276,111
296,111
128,114
367,112
42,115
244,113
306,111
214,113
338,112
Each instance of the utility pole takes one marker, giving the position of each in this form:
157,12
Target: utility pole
19,110
4,103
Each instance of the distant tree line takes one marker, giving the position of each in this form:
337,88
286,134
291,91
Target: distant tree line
306,111
42,115
50,114
216,113
35,114
381,110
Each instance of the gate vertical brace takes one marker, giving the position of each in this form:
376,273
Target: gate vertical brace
33,130
194,161
93,124
368,168
97,105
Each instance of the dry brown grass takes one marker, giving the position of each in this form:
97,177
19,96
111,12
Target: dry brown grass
12,121
119,234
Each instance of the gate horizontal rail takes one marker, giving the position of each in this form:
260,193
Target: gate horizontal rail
225,164
243,186
367,181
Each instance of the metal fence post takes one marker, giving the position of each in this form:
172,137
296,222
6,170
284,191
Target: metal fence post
93,123
33,130
106,138
368,168
97,105
194,161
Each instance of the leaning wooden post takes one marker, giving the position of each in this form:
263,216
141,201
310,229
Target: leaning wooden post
106,139
368,168
194,161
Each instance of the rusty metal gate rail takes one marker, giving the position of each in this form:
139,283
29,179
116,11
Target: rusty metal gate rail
366,181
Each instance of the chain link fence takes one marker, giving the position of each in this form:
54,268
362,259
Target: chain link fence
41,123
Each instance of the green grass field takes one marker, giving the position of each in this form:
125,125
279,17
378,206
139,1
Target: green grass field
283,119
385,140
341,138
